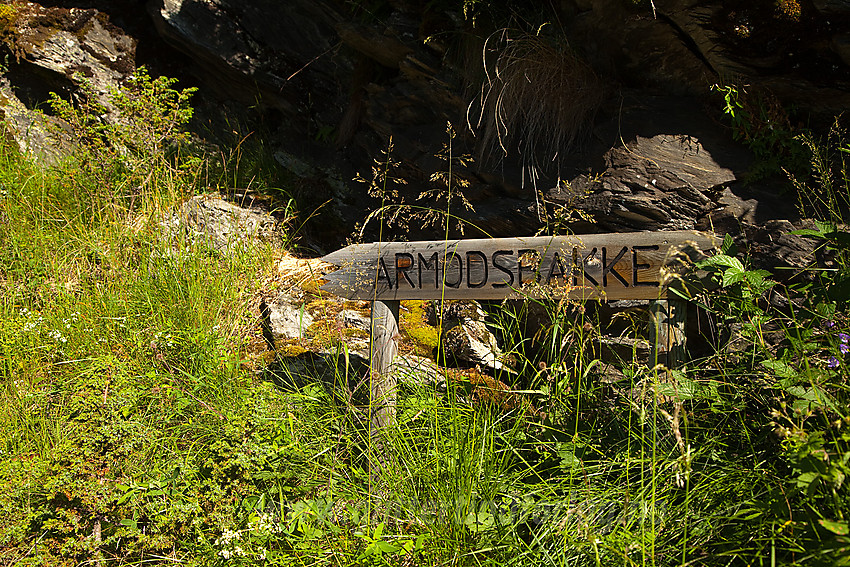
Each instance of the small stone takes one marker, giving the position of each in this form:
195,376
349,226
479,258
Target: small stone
285,317
355,320
223,224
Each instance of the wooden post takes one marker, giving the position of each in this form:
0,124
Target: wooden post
667,330
383,348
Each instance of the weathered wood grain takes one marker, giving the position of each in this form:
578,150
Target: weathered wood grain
600,266
383,347
668,319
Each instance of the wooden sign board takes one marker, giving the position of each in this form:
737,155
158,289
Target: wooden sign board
637,265
598,266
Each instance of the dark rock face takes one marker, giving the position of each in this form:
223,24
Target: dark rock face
832,6
246,49
688,45
73,43
30,133
331,86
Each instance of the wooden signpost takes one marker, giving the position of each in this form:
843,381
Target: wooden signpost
639,265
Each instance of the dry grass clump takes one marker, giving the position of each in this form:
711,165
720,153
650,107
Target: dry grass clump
537,99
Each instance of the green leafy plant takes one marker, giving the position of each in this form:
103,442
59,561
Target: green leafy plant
126,135
741,290
833,282
760,122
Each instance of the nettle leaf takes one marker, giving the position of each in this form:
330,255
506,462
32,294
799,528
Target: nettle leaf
728,247
568,458
779,368
757,277
825,227
733,276
806,479
479,521
722,260
810,398
686,389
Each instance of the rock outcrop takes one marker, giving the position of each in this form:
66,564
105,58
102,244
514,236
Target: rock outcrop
56,49
65,46
31,132
222,224
332,84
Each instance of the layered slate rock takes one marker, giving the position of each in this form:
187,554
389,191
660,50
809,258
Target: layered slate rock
32,133
658,183
67,46
661,166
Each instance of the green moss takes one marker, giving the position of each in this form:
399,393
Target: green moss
290,350
8,22
323,307
414,325
326,333
312,285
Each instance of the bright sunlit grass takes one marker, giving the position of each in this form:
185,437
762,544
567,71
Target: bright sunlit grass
136,428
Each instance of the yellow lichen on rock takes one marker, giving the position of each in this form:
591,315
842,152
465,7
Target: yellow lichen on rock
8,23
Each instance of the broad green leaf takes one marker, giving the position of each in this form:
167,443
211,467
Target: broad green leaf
808,232
732,276
838,528
386,547
805,479
126,496
781,369
723,260
684,390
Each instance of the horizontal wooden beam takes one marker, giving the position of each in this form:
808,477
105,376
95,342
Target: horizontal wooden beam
599,266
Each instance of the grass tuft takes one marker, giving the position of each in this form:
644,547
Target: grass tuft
537,100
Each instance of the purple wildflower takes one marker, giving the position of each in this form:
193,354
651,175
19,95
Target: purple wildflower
832,362
829,324
844,338
844,348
